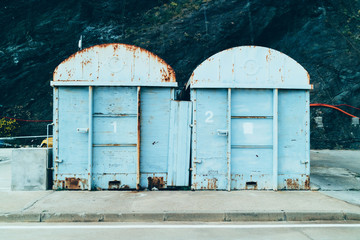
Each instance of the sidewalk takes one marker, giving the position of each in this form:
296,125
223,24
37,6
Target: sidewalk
152,206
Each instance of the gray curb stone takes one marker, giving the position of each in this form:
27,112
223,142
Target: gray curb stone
314,216
191,216
352,216
180,216
71,217
255,216
134,217
20,217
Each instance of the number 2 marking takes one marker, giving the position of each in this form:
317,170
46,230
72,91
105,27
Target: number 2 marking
114,124
209,118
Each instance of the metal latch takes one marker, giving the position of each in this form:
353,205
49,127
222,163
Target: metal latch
222,132
82,130
196,160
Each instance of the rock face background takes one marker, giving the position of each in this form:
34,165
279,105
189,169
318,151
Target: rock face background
323,36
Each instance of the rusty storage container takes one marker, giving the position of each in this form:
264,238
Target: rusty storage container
114,109
250,121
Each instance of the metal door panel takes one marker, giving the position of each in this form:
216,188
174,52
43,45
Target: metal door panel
115,167
73,114
179,144
250,161
251,132
114,160
155,125
115,131
251,139
210,156
251,102
294,160
293,131
115,100
115,137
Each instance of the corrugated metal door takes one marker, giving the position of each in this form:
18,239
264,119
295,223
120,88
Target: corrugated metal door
179,144
233,139
98,129
294,156
252,139
210,138
72,160
154,122
115,137
165,139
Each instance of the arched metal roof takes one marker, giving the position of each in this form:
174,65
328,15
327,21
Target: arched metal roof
250,67
114,65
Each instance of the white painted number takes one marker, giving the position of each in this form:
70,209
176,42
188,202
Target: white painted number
209,115
114,124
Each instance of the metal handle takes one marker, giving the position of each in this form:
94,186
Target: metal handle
222,132
82,130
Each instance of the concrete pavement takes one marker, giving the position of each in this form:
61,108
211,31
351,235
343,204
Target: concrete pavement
210,206
339,183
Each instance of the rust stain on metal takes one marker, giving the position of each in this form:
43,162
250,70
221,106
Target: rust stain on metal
307,182
157,182
75,183
251,186
212,183
308,77
138,137
292,183
167,76
114,185
58,184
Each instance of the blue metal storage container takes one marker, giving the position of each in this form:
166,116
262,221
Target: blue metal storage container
250,121
114,109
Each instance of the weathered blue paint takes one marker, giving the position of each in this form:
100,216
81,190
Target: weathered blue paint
179,143
115,117
250,67
155,121
250,121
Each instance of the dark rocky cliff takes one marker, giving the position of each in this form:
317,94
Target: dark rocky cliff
323,36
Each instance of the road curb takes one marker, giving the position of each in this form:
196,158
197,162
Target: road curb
180,216
20,217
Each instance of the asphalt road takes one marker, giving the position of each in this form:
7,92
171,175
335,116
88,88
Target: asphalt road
337,173
199,231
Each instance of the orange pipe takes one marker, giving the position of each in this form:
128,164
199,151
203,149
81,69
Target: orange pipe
331,106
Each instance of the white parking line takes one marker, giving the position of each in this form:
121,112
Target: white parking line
183,226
